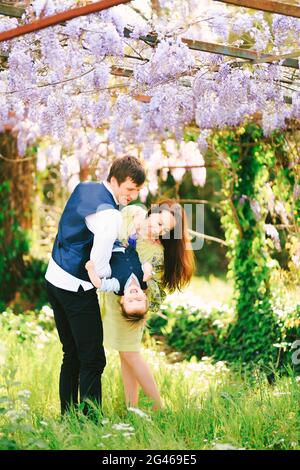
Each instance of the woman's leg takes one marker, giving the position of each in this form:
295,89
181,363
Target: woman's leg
143,375
131,385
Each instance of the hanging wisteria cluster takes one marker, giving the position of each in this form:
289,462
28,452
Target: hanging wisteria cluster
96,86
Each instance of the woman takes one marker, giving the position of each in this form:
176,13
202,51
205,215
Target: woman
161,239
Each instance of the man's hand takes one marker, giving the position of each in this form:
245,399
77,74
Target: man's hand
89,265
147,271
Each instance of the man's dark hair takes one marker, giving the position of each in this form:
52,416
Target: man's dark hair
127,167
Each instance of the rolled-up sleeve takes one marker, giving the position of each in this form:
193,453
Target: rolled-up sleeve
109,285
105,226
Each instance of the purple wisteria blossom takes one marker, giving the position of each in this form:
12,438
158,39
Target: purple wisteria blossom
104,40
256,209
171,110
20,70
58,81
286,30
43,8
242,23
273,233
202,140
170,59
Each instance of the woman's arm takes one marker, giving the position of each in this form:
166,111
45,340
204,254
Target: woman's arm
131,217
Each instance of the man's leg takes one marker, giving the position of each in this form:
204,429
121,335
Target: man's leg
69,373
83,312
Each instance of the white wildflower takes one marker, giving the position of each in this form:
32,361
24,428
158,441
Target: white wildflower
122,427
128,434
47,311
139,412
226,447
24,394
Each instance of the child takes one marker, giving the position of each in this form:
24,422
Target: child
128,279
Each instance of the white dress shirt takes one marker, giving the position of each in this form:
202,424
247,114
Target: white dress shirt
105,226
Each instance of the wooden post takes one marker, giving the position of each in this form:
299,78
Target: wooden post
17,193
20,173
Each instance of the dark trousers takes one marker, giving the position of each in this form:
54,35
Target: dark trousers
79,326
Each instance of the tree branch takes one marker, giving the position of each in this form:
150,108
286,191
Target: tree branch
207,237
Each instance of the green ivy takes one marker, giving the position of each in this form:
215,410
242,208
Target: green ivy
251,338
13,245
203,331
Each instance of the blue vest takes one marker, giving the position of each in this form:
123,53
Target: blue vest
74,240
124,264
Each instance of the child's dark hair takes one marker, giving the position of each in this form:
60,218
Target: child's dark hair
127,167
134,317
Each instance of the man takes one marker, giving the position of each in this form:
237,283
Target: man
87,230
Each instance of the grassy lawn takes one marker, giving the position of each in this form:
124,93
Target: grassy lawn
206,405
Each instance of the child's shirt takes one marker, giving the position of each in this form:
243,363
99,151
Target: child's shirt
125,264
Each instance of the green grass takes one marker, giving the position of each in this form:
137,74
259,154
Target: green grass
206,406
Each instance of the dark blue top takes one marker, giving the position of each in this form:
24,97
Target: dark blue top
74,241
124,264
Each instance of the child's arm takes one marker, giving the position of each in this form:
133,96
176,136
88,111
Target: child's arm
95,280
105,285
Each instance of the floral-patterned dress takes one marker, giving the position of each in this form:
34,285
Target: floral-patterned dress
119,333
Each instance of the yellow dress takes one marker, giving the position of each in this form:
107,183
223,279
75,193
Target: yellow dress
119,333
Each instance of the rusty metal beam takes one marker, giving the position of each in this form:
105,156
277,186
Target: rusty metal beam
127,73
121,72
151,39
266,5
59,18
237,52
214,48
275,58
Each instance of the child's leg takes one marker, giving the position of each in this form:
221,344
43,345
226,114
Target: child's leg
143,375
131,385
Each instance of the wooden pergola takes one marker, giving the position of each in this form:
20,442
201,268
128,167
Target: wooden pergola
288,60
